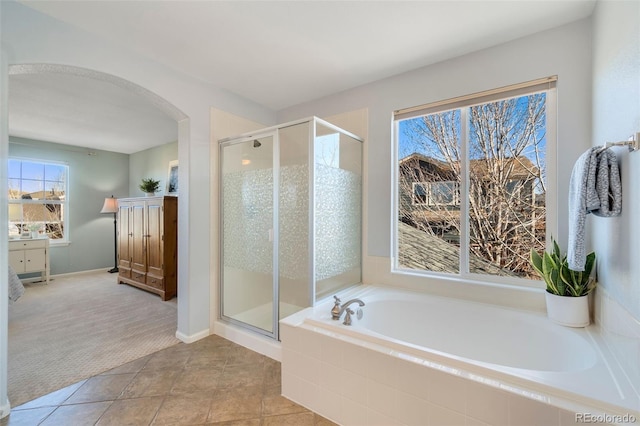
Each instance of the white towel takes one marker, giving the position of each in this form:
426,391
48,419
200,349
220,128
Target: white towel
16,289
594,188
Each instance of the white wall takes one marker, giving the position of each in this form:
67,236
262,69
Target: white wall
563,51
29,37
616,115
4,234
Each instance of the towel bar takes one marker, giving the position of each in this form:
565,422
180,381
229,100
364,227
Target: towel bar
633,143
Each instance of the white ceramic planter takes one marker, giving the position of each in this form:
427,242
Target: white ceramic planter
568,311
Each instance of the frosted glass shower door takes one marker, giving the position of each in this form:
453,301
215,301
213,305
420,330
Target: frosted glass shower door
247,196
338,209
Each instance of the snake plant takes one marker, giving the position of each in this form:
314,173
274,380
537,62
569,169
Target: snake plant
560,280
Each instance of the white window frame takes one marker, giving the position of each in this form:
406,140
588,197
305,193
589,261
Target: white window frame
547,85
63,203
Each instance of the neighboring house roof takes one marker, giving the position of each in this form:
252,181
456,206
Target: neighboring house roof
521,166
419,250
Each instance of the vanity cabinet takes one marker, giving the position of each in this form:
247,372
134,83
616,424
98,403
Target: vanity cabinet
26,256
148,244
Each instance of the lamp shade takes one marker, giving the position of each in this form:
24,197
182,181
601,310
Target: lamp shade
110,205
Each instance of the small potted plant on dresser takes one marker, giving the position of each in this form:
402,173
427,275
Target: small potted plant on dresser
567,294
149,186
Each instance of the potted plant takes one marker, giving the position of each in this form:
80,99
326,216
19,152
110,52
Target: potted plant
567,294
34,228
149,186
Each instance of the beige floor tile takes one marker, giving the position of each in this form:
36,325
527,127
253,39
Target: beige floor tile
163,360
211,381
273,390
130,367
182,411
196,383
272,373
321,421
27,417
241,375
77,414
134,412
300,419
207,360
101,388
51,399
150,383
278,405
242,356
226,409
239,392
246,422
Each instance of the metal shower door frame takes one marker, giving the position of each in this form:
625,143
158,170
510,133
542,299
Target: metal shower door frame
275,314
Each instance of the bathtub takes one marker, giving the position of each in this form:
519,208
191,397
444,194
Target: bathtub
420,359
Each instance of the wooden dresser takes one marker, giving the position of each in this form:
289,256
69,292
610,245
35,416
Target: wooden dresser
148,244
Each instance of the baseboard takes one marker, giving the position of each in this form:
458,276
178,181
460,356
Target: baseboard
193,337
5,409
255,342
38,278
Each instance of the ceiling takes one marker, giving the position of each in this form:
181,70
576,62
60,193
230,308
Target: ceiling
84,111
275,53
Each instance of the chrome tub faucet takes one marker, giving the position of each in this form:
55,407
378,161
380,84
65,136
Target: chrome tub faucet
338,310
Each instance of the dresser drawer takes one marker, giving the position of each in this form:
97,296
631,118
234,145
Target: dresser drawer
124,272
27,244
155,282
138,276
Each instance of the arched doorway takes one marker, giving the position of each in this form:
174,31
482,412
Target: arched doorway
181,119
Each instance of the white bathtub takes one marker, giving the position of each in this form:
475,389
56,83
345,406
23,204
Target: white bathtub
420,359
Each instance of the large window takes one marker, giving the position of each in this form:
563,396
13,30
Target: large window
38,197
471,179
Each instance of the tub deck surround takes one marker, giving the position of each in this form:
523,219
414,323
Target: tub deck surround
421,359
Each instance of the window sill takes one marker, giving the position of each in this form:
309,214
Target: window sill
59,244
379,271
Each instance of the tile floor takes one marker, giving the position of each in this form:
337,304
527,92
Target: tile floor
212,381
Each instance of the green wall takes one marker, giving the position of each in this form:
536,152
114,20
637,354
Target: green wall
93,176
151,163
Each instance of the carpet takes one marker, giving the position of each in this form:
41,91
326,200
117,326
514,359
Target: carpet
79,326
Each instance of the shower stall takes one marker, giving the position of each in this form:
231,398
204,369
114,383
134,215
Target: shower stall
290,220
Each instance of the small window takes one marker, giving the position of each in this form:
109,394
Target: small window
436,193
38,197
443,194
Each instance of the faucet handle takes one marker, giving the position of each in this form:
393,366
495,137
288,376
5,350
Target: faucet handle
335,311
347,317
